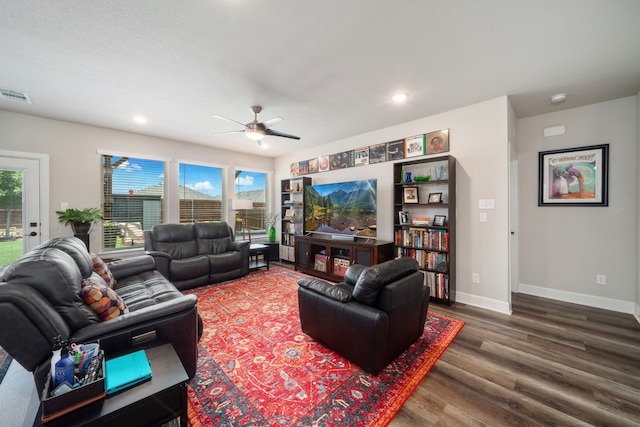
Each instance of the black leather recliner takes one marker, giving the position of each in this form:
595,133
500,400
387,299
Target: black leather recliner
371,317
40,299
198,254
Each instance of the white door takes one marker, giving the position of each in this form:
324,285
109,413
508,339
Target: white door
20,226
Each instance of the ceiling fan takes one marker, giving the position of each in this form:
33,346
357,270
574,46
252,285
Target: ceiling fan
256,130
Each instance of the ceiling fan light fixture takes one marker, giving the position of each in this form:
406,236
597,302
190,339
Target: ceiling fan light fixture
255,134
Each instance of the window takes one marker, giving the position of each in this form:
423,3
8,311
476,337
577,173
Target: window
201,193
253,186
132,195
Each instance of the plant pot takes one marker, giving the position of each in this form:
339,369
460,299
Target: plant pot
272,234
82,227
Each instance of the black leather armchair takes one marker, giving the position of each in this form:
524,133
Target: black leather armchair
40,299
198,254
371,317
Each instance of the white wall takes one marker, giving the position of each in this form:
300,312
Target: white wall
637,308
75,175
563,248
478,140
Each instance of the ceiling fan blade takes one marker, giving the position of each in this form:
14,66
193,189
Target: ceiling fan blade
229,120
271,122
281,134
231,131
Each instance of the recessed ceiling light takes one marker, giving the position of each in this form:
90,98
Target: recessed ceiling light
400,97
558,98
140,120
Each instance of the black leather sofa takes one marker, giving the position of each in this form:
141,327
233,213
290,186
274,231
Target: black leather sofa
371,317
40,299
198,254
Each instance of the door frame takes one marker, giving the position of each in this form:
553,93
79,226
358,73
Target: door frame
43,187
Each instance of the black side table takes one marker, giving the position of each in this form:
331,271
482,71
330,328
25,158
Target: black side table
274,251
255,250
155,402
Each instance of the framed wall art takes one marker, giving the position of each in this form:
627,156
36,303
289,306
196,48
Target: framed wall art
574,176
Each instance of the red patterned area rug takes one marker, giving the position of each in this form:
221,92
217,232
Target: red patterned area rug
5,361
257,368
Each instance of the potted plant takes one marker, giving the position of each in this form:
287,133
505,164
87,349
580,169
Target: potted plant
80,220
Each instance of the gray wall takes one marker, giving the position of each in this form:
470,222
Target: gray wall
75,175
478,140
561,249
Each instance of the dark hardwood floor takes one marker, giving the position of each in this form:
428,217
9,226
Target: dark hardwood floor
550,363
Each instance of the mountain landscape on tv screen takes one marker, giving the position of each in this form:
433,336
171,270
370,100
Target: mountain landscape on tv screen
347,208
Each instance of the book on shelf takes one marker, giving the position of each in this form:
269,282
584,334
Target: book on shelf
320,263
340,266
434,239
420,221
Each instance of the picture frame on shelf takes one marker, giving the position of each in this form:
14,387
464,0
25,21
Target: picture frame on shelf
439,220
410,195
403,217
574,176
435,197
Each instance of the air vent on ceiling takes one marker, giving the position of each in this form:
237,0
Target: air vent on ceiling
14,95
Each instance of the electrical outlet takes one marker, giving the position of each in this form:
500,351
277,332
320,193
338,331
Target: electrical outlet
601,279
475,278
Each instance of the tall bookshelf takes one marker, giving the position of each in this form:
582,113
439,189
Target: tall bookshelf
417,234
292,215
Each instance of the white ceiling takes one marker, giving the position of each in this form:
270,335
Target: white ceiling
328,67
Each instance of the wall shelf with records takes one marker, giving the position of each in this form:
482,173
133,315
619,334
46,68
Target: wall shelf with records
292,215
425,220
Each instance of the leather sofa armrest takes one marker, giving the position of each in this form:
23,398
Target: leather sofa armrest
30,343
133,319
129,266
238,246
323,288
162,260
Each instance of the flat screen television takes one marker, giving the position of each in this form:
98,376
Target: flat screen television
342,208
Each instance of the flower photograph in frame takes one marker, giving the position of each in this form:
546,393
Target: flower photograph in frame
574,176
410,195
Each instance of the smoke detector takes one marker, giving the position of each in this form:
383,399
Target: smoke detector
558,98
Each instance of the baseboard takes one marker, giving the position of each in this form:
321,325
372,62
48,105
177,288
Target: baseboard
582,299
482,302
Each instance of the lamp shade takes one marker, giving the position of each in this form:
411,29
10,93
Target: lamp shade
237,204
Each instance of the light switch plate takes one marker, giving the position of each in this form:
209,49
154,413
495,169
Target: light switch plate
483,217
487,204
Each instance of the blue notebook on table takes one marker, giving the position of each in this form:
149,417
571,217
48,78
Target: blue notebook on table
126,371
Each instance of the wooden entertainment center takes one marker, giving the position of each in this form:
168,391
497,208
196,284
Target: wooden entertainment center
326,257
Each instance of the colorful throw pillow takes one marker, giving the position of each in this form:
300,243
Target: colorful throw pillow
103,300
100,267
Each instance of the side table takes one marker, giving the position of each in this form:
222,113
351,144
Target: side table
255,250
274,251
155,402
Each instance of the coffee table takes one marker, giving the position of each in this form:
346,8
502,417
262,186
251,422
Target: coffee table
155,402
